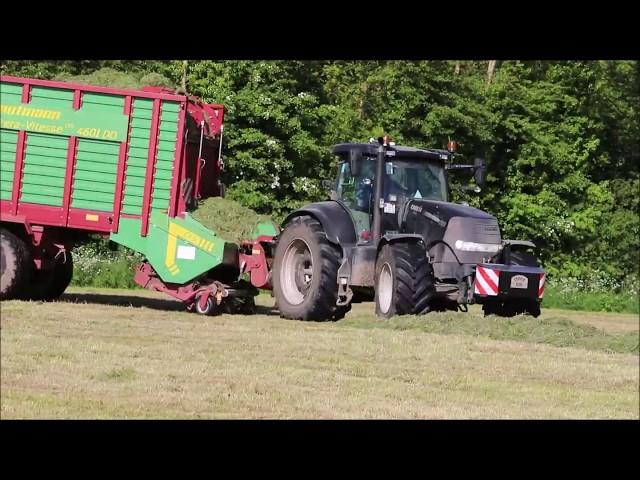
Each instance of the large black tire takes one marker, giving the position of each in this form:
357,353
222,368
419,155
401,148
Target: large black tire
15,265
47,285
404,281
513,307
62,275
305,272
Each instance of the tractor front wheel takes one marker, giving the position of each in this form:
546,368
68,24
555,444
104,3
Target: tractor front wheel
404,281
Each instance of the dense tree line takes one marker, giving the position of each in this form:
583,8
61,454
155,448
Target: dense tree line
561,138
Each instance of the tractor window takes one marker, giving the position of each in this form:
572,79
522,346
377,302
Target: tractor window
415,179
356,193
345,181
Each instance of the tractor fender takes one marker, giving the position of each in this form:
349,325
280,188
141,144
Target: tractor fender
335,219
519,244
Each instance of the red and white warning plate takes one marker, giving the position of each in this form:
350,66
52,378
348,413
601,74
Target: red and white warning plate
487,281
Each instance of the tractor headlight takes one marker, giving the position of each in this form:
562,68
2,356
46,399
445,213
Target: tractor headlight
477,247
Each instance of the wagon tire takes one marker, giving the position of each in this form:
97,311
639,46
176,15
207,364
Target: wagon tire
47,285
208,308
15,265
63,273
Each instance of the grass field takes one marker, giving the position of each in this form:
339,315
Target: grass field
124,354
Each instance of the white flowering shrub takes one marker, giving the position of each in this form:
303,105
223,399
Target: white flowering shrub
100,263
596,291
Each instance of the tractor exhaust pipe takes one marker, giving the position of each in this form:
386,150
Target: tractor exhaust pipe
378,197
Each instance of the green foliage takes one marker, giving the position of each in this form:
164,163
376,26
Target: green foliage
155,80
560,137
597,293
104,264
592,302
273,123
109,77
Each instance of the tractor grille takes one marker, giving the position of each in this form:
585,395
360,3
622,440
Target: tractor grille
488,230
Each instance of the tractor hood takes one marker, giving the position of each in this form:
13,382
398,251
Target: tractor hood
447,210
472,234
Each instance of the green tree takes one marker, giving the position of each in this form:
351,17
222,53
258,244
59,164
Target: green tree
560,137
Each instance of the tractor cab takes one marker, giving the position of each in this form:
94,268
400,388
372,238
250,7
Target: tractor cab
408,173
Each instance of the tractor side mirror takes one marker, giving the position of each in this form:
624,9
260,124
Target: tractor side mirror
479,171
355,162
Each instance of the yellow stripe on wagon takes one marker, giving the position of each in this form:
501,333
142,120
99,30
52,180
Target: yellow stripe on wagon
176,231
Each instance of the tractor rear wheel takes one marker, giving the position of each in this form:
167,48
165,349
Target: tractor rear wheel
15,265
305,272
404,281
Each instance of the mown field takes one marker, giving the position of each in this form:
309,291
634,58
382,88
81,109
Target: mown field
102,353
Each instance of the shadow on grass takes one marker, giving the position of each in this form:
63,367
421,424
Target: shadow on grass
123,301
140,302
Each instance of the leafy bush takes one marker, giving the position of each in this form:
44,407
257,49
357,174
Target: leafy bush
108,77
596,293
104,264
155,80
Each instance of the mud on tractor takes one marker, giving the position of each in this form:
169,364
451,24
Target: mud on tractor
391,234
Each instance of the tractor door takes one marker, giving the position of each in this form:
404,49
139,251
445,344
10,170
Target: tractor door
356,193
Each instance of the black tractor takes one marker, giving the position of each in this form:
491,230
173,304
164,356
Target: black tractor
390,234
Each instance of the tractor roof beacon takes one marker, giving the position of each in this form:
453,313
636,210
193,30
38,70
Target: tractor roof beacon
390,234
